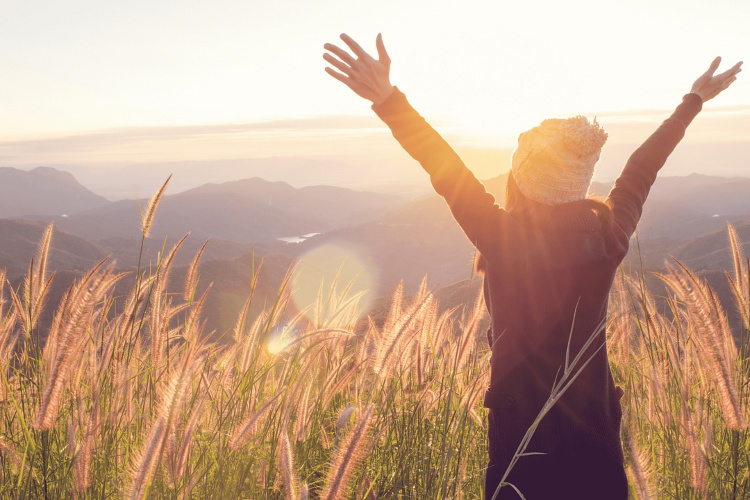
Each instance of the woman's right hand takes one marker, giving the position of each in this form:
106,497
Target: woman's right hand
366,76
708,85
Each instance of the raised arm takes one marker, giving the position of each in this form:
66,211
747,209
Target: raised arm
474,209
632,187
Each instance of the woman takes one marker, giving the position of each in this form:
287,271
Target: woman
549,259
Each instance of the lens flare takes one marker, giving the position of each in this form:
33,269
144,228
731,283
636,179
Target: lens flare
333,285
278,341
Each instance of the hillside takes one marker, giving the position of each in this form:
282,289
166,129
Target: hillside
709,252
402,242
683,208
335,205
20,241
244,212
43,191
422,238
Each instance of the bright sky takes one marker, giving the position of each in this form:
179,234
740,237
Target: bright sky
130,76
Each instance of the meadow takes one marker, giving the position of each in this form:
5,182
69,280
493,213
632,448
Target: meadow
125,397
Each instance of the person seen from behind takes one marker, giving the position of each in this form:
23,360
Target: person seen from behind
549,258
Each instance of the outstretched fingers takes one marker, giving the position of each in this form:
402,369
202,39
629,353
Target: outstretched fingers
713,67
382,53
346,69
366,76
340,53
345,64
709,84
728,82
358,51
731,72
338,76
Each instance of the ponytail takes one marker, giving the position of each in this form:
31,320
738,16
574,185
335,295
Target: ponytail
480,264
603,211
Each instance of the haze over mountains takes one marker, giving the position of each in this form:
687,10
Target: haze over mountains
401,239
247,211
43,190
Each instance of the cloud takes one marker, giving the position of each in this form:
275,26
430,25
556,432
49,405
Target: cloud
164,143
655,114
719,132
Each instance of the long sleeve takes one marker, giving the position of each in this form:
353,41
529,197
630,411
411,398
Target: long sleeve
634,183
473,208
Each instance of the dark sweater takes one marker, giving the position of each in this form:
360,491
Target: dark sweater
546,282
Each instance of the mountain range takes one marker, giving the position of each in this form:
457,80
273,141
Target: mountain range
247,211
403,240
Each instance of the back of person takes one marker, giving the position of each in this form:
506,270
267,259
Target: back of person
546,302
549,264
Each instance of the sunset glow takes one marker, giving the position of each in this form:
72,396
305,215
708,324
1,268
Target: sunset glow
276,249
92,83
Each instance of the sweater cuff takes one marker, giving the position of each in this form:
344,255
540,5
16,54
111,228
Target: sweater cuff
392,105
690,107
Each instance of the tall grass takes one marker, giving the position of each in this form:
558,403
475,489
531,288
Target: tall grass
126,399
686,384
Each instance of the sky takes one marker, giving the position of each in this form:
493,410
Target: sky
91,84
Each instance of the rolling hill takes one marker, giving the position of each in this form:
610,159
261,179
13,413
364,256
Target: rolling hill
245,212
43,191
685,217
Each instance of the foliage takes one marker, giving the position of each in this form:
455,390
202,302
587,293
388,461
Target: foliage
125,398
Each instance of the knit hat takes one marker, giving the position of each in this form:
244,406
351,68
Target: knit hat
554,162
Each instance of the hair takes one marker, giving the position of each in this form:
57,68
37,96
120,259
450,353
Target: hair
524,208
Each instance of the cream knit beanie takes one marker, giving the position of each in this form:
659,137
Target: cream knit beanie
554,162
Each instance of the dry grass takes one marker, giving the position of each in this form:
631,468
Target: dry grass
133,403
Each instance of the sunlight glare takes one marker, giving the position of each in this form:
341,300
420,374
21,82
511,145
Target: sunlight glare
333,285
278,340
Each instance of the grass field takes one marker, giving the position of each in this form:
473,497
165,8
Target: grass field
126,399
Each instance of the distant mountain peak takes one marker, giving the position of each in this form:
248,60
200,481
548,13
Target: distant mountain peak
43,191
58,175
48,170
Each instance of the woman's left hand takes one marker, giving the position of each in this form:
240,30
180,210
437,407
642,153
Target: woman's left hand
366,76
708,85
